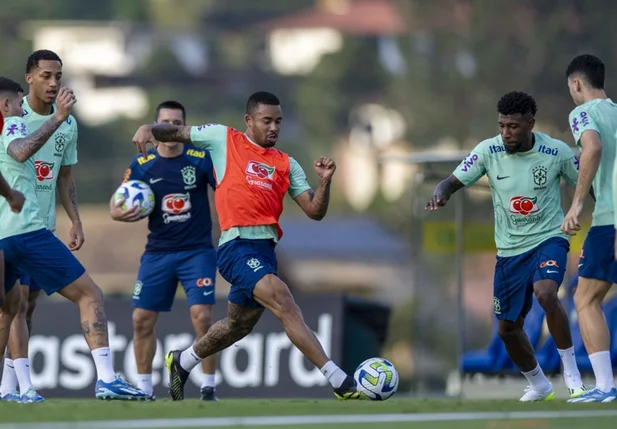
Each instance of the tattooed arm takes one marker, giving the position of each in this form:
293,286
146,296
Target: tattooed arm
21,149
209,136
68,198
314,202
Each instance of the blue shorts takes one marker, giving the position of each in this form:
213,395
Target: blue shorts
243,263
26,280
46,259
160,272
516,275
597,259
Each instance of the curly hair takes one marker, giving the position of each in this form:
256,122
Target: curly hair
517,102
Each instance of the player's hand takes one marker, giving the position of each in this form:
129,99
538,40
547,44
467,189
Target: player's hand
570,223
142,137
128,215
16,201
436,201
64,102
324,167
77,236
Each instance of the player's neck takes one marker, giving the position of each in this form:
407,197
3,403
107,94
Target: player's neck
594,94
39,106
166,151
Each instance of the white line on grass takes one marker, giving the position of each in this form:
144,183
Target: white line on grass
310,420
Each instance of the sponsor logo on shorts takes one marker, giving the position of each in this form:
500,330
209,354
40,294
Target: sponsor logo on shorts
551,263
204,282
176,207
44,170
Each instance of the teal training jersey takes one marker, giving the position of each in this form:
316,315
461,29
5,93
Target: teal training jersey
599,115
213,137
19,176
60,150
525,189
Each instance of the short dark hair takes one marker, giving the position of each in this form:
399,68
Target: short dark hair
170,104
9,85
517,102
261,97
590,68
41,55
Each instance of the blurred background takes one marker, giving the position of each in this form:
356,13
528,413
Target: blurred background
367,82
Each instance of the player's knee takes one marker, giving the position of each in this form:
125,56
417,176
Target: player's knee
12,304
508,329
23,307
143,323
546,294
203,319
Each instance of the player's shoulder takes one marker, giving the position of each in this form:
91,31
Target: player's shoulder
492,145
140,160
15,126
553,146
193,152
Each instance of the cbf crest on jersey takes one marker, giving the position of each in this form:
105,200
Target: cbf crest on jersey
189,176
540,177
60,140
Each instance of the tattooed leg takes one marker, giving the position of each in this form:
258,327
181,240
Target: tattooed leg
89,298
237,325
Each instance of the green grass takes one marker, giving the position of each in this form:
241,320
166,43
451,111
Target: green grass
83,410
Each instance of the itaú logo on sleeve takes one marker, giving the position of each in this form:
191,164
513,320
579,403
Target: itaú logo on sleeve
176,207
260,174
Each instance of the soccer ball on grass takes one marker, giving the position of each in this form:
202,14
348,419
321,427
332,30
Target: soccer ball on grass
377,379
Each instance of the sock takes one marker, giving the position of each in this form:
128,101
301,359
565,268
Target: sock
145,383
9,378
334,374
102,361
22,370
189,359
569,361
603,370
537,379
208,381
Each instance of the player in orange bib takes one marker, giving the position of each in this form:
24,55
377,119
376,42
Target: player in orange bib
252,180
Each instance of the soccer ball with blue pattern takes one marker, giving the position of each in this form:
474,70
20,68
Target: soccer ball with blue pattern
377,379
135,193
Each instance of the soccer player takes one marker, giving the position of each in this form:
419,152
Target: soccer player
252,179
524,170
594,127
30,247
179,247
53,167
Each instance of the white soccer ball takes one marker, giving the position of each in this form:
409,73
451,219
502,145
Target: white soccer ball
377,379
136,194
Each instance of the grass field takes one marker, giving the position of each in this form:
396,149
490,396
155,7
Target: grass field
297,413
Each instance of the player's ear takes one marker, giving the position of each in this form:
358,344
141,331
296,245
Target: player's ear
248,120
532,123
29,78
